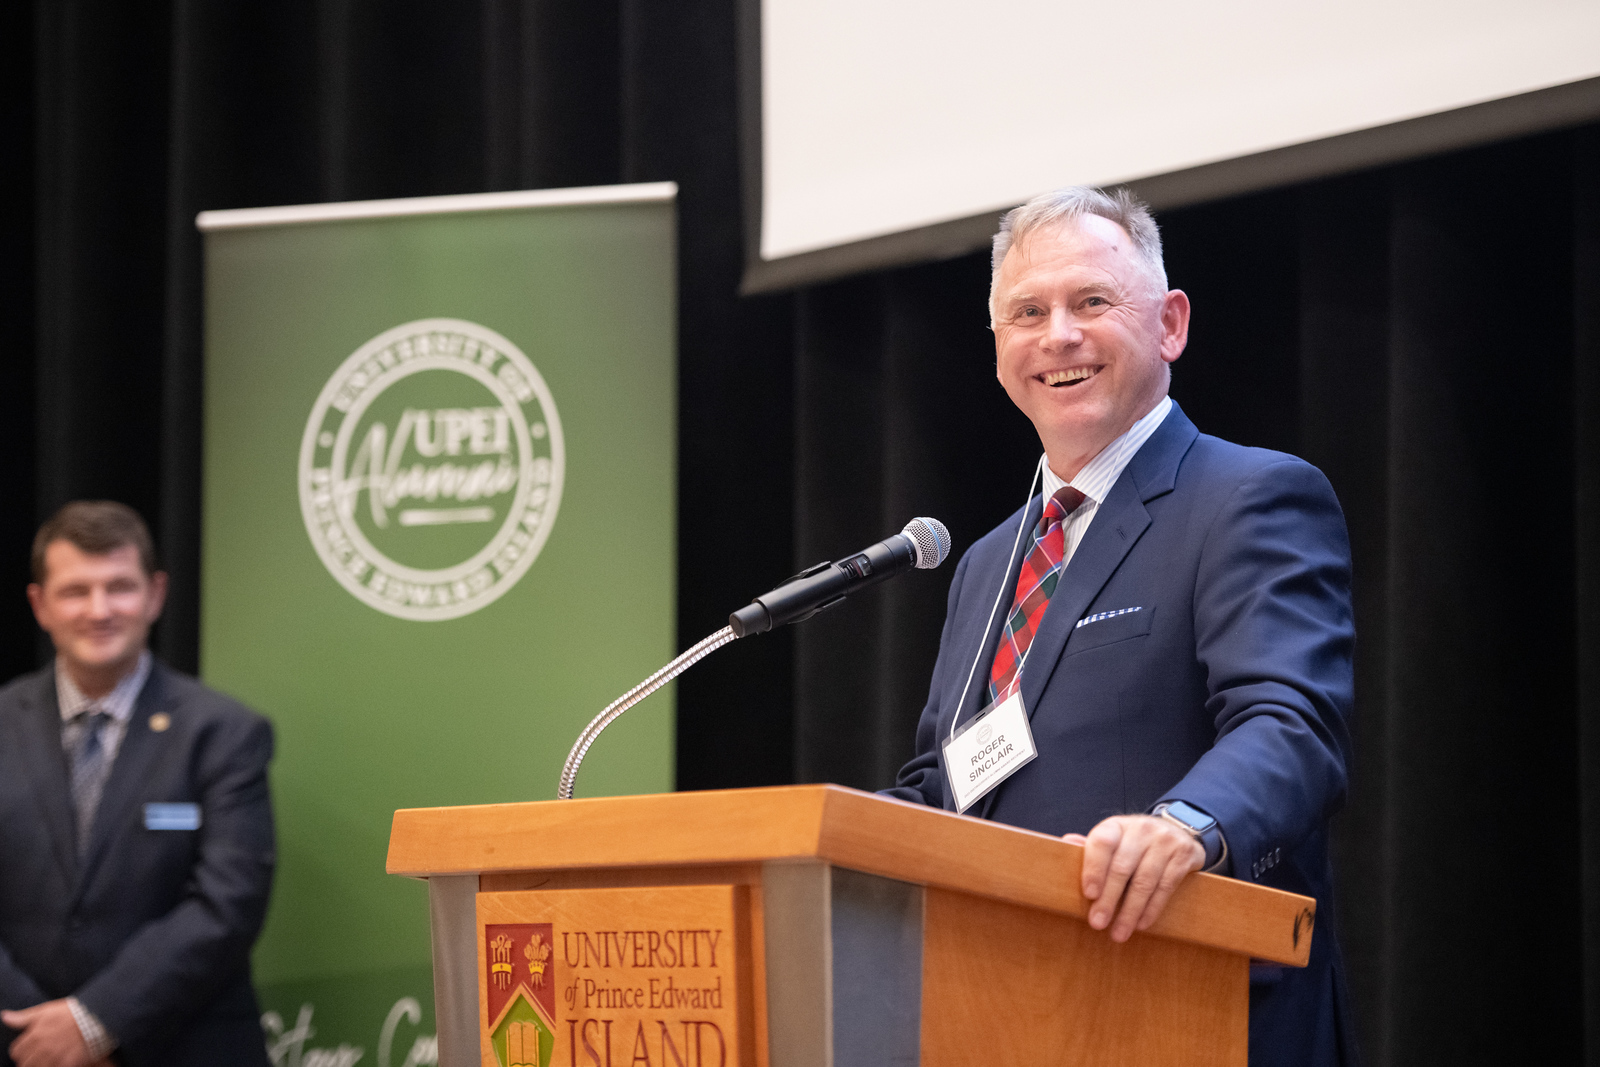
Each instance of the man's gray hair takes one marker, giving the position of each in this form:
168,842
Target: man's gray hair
1069,205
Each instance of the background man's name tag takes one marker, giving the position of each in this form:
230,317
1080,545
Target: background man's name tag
172,816
988,750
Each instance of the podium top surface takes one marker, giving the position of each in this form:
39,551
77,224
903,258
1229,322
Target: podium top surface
845,827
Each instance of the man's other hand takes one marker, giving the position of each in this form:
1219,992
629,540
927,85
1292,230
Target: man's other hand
49,1038
1132,864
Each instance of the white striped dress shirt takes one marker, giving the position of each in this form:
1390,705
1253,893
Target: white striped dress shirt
1098,475
118,703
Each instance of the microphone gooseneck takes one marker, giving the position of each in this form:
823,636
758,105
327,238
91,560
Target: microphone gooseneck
923,544
614,710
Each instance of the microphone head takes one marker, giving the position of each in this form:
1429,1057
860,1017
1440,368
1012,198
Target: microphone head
931,541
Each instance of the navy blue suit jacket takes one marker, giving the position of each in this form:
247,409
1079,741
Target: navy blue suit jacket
1230,687
152,930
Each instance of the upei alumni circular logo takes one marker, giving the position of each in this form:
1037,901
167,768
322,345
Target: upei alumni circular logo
430,469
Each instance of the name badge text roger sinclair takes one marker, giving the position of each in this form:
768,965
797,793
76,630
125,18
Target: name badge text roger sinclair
986,751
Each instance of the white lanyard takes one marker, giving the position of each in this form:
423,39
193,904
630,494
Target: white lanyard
997,742
1038,473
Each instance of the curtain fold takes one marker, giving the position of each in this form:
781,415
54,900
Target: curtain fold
1585,412
1482,804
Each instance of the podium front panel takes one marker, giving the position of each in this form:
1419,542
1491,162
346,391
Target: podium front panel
616,975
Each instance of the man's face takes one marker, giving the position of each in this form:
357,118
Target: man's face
97,609
1083,336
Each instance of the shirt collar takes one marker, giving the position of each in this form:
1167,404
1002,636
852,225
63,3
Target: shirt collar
118,703
1101,473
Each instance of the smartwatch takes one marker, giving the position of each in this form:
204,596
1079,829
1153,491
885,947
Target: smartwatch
1198,825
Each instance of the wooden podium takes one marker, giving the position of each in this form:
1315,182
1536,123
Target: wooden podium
813,925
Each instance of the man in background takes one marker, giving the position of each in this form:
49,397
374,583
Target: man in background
1172,612
136,840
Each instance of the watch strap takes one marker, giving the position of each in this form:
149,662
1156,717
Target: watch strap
1210,837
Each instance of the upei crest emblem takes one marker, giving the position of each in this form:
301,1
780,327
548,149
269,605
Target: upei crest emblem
521,993
431,469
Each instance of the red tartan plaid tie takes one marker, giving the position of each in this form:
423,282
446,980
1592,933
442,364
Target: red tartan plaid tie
1036,581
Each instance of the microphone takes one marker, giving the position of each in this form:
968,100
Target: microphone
923,544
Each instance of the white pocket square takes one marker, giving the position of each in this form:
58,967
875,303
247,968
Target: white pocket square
1101,616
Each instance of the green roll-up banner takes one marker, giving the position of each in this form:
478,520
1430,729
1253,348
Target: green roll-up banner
439,522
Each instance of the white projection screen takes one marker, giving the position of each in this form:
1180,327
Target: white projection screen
887,131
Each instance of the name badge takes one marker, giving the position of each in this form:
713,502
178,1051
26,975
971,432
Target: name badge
987,750
172,816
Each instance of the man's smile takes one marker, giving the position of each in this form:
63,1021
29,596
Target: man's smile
1072,376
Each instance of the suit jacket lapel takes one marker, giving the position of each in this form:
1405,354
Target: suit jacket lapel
39,735
141,749
1118,524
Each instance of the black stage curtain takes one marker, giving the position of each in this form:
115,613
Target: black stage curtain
1428,334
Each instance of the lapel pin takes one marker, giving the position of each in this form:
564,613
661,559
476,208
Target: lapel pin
160,721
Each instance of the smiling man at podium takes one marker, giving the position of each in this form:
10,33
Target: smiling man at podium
1153,657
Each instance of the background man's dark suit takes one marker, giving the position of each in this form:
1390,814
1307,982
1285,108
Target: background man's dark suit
152,932
1229,688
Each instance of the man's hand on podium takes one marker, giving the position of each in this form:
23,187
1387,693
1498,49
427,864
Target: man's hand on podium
1132,864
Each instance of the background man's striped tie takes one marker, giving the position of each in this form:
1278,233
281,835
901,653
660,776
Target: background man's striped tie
86,753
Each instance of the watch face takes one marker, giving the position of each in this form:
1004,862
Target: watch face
1192,817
